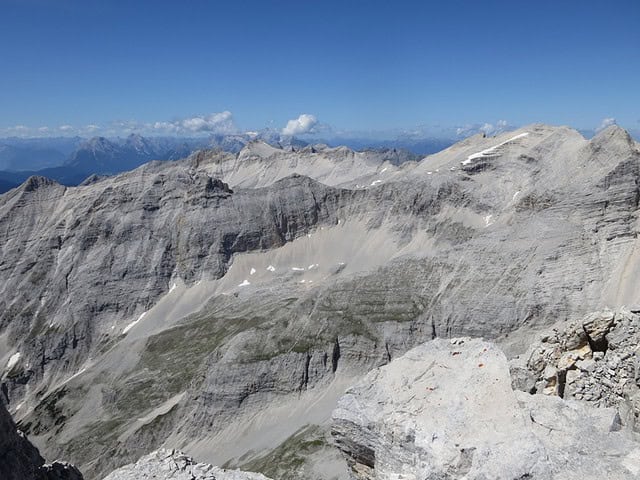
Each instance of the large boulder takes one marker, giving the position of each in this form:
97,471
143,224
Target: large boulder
446,410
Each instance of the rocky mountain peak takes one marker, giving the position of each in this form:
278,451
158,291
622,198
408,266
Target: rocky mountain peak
258,148
137,141
612,135
99,144
36,182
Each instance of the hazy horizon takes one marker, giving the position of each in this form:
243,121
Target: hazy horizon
325,70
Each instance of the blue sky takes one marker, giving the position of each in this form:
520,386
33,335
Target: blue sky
71,66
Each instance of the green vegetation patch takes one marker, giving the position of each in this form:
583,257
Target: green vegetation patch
287,461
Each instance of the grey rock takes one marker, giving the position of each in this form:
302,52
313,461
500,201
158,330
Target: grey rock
596,326
602,377
446,410
173,465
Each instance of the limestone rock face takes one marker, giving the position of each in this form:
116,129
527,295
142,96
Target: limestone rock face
173,465
446,410
20,460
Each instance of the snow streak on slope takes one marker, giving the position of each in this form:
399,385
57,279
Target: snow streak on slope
491,152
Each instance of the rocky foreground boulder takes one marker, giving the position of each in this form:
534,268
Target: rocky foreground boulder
173,465
594,359
446,410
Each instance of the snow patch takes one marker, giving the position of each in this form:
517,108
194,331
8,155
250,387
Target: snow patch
132,324
13,360
253,270
81,371
491,151
376,182
515,195
271,268
244,283
383,170
312,266
487,220
173,287
429,173
297,269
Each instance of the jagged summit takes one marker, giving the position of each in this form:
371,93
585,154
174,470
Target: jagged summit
36,182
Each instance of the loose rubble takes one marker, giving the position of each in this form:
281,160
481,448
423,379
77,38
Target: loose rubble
593,360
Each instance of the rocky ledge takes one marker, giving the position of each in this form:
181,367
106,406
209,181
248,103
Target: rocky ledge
173,465
446,410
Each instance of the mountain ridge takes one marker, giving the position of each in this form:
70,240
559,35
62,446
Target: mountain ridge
162,294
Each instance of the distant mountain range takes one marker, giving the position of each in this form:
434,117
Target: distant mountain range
71,160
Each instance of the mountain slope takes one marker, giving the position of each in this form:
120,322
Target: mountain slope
165,307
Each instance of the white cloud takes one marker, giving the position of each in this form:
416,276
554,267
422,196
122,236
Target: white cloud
487,128
305,123
606,122
15,131
221,123
213,123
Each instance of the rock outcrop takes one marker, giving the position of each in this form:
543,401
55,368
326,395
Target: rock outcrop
173,465
20,460
446,410
594,360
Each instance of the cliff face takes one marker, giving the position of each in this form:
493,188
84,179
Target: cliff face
182,305
20,460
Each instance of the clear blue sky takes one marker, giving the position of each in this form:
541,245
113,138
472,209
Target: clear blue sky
354,65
